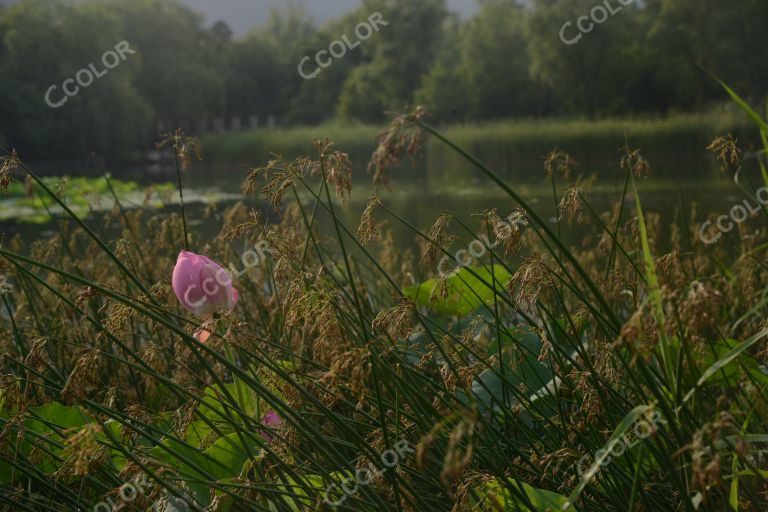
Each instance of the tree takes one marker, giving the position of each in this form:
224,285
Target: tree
602,70
263,77
727,39
43,44
444,89
484,72
182,66
317,97
254,77
402,52
222,34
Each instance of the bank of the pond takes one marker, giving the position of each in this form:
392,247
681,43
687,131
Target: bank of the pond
512,147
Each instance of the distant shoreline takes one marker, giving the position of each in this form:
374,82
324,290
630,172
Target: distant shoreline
505,144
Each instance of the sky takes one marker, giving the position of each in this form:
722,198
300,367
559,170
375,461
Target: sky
241,15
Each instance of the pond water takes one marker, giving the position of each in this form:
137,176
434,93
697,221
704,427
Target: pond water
413,194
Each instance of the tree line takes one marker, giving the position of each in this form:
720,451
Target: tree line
546,58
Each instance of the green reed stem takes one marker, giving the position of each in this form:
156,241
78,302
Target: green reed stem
181,197
238,385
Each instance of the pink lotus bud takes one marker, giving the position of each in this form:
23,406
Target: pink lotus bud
202,286
270,420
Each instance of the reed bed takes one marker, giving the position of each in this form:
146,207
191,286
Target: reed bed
345,375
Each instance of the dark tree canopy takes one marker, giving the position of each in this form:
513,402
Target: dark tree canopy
509,61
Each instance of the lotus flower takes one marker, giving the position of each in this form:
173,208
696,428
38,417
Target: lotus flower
271,420
202,286
202,334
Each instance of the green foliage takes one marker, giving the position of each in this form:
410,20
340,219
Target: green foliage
506,62
494,495
463,291
44,43
83,195
709,34
483,71
388,81
181,64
